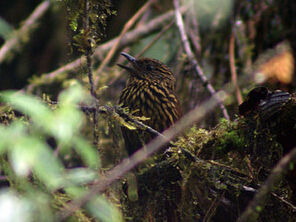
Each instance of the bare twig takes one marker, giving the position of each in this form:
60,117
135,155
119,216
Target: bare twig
186,45
127,26
212,208
139,124
195,40
252,211
88,52
28,26
127,39
194,33
215,163
284,201
111,110
48,77
138,33
154,40
233,68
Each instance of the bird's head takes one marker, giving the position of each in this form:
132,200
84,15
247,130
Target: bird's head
148,69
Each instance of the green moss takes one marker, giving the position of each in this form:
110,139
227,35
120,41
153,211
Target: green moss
213,165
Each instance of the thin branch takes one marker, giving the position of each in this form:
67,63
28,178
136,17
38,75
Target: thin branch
111,110
212,209
233,68
88,52
48,77
141,32
194,33
155,39
284,201
186,45
127,26
127,39
251,213
96,126
139,124
28,26
238,172
195,40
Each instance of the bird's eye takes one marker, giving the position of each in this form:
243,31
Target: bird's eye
150,67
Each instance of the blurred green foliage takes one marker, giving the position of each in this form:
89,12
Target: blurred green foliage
5,29
34,169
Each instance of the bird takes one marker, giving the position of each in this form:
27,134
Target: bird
149,92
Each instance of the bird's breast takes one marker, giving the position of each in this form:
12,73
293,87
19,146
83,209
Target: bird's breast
152,100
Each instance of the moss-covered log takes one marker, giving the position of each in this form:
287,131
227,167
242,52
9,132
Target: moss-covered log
222,169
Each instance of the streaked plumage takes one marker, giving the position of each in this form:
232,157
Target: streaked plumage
150,90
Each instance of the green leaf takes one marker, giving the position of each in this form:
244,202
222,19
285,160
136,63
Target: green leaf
73,25
103,210
14,208
72,95
80,176
23,155
5,29
67,119
3,140
89,154
66,123
32,154
75,191
9,134
49,169
30,105
259,208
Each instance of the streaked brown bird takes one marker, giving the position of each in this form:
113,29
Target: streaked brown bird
149,92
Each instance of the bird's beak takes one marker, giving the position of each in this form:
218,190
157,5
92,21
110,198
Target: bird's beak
130,59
